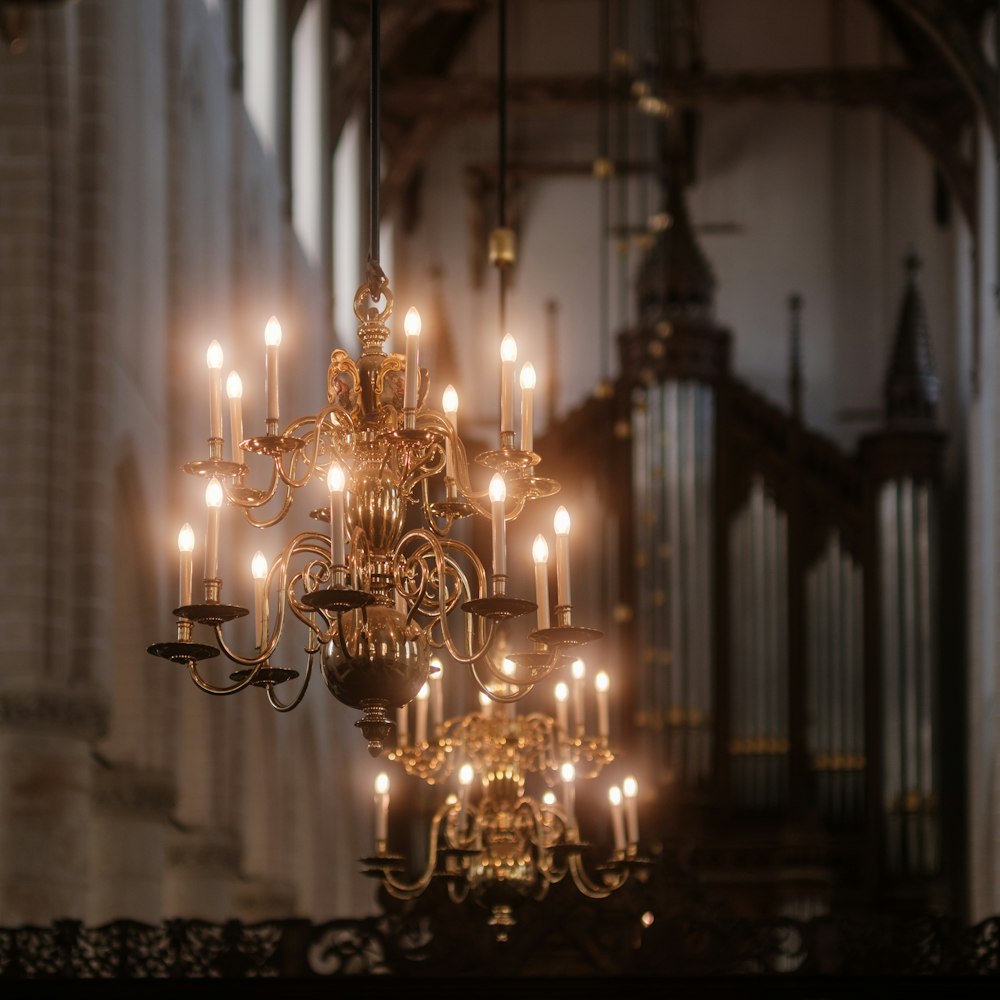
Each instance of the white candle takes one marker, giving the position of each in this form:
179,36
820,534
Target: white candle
508,355
258,570
561,525
234,390
422,696
449,403
630,788
213,500
568,773
485,705
335,482
411,327
214,359
527,392
465,776
579,671
402,725
562,695
185,545
507,668
381,809
601,684
437,693
540,554
272,341
617,822
498,495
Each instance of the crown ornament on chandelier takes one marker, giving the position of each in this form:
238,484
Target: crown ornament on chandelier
376,593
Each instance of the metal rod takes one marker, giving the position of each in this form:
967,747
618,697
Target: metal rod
502,148
373,137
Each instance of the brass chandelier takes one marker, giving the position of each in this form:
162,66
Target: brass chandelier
502,835
380,583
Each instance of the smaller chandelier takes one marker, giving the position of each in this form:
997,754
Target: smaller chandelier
508,830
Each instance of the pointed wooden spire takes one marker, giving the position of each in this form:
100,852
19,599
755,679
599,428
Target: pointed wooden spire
912,386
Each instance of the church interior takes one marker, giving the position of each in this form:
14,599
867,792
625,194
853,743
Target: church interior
605,580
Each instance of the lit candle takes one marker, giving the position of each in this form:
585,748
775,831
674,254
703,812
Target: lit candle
422,696
213,500
214,358
601,684
234,390
437,692
258,569
411,327
579,671
185,545
381,810
549,799
562,695
568,773
508,355
485,705
272,341
561,525
617,823
465,776
498,494
630,788
540,554
449,403
527,392
335,483
507,668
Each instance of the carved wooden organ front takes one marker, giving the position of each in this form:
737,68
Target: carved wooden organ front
778,604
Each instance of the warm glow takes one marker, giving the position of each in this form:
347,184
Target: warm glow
437,669
615,795
272,332
507,667
508,349
630,787
540,549
185,539
567,771
562,691
214,355
382,784
213,493
335,480
449,399
411,323
498,489
647,919
560,522
602,682
485,699
528,376
579,669
549,799
234,386
465,774
258,565
424,693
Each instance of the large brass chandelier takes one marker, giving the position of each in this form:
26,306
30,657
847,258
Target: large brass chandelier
381,582
508,829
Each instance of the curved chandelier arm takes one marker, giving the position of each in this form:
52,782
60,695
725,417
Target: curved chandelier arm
269,522
444,566
276,703
210,688
614,879
252,499
409,890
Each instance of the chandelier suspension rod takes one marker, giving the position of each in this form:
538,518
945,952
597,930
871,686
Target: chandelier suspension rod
605,192
502,146
374,267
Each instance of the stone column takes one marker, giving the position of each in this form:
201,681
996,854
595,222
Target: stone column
132,808
203,865
45,798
